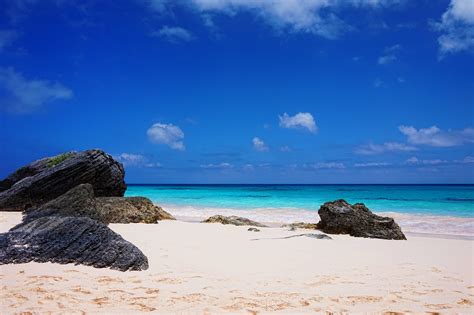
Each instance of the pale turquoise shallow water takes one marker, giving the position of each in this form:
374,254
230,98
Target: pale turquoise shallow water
438,200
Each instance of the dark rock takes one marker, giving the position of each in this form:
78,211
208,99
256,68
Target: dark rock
339,217
253,230
46,179
234,220
64,240
130,210
300,225
77,202
80,201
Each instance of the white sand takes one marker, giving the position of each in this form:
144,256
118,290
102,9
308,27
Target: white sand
212,268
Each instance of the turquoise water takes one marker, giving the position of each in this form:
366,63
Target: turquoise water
445,200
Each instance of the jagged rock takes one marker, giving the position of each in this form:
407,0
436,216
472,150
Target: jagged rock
64,240
253,230
46,179
300,225
234,220
80,201
340,217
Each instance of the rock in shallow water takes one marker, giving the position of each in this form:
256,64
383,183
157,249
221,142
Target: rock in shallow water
46,179
340,217
64,240
233,220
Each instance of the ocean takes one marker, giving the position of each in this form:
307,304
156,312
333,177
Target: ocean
447,209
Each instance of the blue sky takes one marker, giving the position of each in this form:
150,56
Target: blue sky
234,91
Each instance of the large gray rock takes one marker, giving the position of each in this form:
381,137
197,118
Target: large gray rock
64,240
233,220
80,201
46,179
340,217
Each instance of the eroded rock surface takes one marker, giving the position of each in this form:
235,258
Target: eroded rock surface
64,240
46,179
340,217
233,220
80,201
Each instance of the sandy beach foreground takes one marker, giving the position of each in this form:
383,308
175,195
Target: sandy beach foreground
212,268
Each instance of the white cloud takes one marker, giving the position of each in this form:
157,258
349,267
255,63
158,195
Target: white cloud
20,95
7,37
285,148
223,165
456,28
372,164
372,148
415,161
316,17
328,165
435,137
168,134
173,34
468,160
153,165
390,55
300,120
259,145
131,159
412,160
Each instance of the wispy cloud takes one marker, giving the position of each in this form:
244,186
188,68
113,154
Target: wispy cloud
298,121
285,148
435,137
328,165
173,34
131,159
415,161
456,28
372,148
167,134
390,55
372,164
21,95
223,165
259,145
318,17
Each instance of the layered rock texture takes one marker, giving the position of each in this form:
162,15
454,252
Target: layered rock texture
80,201
340,217
46,179
233,220
67,202
64,240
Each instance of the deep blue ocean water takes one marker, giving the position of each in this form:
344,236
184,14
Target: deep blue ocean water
444,200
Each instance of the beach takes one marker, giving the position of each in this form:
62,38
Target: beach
214,268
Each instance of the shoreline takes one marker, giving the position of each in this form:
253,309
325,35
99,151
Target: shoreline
448,226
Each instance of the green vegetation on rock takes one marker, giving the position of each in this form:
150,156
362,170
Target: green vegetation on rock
59,159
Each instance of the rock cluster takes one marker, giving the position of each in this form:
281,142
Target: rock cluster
67,202
80,201
233,220
340,217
